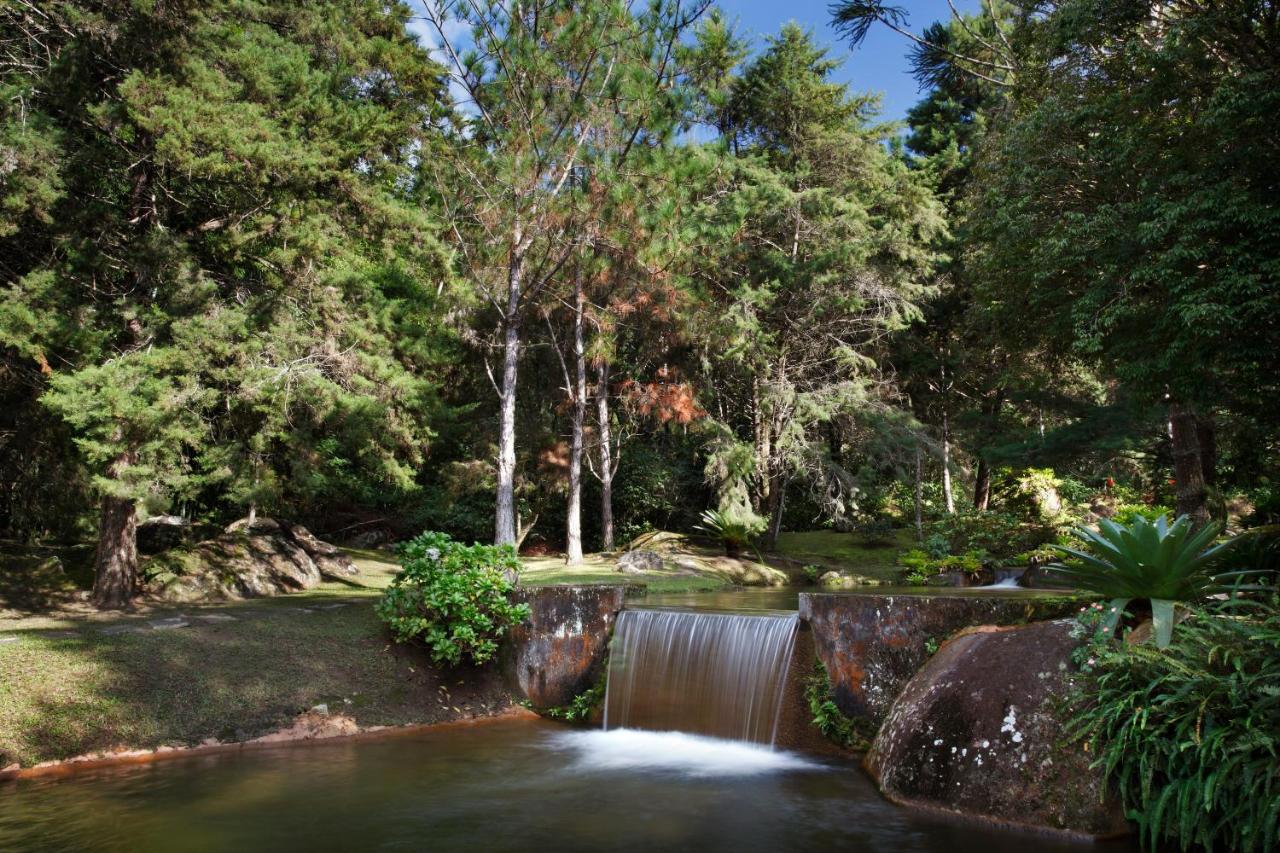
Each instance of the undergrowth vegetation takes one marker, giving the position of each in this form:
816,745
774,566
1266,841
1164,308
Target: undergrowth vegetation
1190,735
827,716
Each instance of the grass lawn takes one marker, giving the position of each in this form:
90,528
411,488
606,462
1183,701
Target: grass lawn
835,550
74,680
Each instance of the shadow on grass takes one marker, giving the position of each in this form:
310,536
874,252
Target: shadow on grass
37,578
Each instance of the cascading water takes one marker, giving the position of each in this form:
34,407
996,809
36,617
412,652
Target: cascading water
719,674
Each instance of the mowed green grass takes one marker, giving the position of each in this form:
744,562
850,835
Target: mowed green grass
68,686
69,693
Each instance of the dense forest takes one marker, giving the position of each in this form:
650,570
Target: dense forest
563,272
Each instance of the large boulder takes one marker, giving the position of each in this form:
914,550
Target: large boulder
685,555
232,566
978,731
840,580
639,561
162,532
332,561
872,644
250,560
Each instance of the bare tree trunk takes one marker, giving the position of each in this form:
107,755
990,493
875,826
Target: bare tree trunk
1188,469
982,485
116,561
919,495
606,456
777,503
505,513
573,524
946,463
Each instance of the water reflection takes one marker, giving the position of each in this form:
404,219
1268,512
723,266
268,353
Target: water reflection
507,786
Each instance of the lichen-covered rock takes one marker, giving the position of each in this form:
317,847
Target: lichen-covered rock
872,644
639,561
233,566
330,559
685,555
979,731
559,651
839,580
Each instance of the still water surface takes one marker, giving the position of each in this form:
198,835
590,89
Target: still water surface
504,786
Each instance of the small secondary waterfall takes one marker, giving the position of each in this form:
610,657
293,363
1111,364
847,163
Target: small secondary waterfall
719,674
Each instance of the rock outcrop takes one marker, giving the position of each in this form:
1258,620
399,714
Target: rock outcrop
162,532
639,562
872,644
248,561
840,580
978,731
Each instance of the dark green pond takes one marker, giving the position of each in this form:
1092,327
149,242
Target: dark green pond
505,786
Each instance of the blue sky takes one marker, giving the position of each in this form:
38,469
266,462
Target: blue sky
880,64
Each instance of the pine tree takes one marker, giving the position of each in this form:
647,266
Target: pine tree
210,248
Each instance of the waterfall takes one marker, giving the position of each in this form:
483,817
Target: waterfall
719,674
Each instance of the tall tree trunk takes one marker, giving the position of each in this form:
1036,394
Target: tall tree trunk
606,456
946,463
573,524
115,571
1207,434
919,495
505,513
982,480
761,426
777,503
116,560
982,485
1188,469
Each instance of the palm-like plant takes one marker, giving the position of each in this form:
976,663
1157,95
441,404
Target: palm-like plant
734,534
1158,561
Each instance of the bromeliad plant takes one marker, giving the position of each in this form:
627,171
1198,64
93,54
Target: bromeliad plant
1148,560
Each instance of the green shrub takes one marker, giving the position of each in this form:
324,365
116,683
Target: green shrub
1145,560
937,546
1126,513
875,533
999,534
453,597
581,706
922,566
1075,491
1190,736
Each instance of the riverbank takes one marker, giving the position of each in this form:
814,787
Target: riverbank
231,673
75,681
